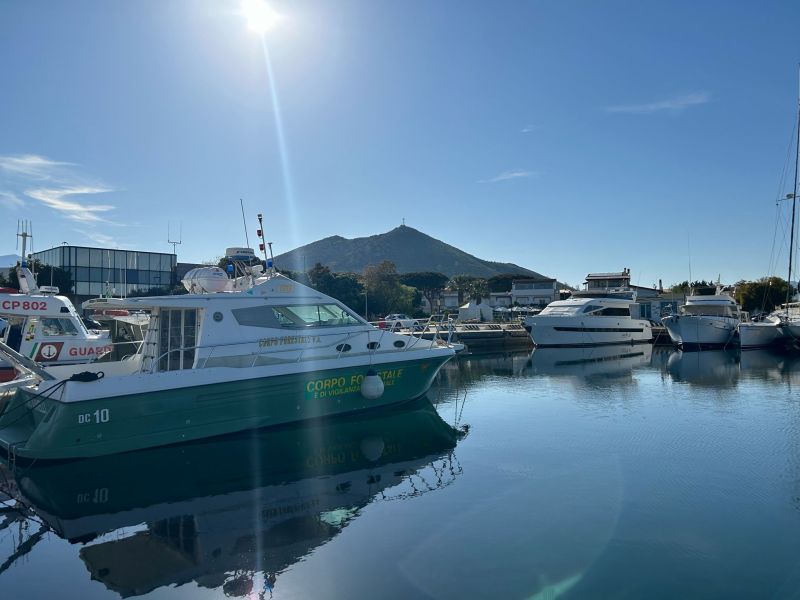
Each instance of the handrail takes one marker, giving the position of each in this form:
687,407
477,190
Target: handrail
339,340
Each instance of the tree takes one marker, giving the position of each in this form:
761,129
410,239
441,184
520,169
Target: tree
763,295
502,282
701,287
45,275
478,290
462,284
386,293
429,284
347,288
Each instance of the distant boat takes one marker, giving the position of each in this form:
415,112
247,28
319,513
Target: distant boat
44,327
588,321
704,322
784,322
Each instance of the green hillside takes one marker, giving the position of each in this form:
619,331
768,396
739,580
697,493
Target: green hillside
410,250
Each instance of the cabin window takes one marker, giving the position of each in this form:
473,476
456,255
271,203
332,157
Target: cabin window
560,310
295,316
714,310
54,327
615,311
177,339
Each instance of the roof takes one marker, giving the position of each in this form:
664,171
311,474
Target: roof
534,280
98,248
620,275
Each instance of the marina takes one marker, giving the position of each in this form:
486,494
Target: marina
578,464
351,301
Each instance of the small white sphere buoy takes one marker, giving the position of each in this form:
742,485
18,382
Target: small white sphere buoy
372,386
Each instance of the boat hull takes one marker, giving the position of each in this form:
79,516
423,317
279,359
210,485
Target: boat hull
52,429
697,332
759,335
556,331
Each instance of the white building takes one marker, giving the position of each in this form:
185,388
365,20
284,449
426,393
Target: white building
534,292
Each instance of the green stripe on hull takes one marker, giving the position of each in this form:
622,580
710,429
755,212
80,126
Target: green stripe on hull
59,430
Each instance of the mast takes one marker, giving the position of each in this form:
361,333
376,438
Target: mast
793,195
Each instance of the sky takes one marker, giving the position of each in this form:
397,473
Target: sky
568,137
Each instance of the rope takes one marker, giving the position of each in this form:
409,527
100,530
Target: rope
25,404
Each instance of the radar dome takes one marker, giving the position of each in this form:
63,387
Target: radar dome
205,280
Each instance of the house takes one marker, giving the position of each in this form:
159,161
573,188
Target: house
534,292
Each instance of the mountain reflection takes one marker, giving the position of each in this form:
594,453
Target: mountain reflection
219,512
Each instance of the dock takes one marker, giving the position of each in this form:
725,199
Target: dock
500,336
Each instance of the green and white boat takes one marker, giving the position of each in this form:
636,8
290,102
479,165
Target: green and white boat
239,353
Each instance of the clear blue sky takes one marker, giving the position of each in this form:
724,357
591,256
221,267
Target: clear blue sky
566,136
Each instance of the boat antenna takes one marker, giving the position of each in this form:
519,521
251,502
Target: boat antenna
793,197
244,222
263,245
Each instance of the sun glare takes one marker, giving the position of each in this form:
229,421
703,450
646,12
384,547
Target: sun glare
260,17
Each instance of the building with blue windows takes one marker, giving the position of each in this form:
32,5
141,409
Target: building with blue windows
96,270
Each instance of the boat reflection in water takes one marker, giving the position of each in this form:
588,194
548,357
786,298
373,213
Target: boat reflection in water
709,368
613,362
726,368
219,512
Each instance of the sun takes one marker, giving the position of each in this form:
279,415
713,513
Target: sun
259,16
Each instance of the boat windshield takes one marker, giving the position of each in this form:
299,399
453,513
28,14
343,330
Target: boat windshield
52,327
712,310
562,310
296,316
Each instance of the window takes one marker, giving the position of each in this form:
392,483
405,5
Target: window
177,339
615,311
715,310
52,327
561,310
83,257
301,315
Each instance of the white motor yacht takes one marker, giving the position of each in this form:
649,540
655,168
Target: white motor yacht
704,322
588,321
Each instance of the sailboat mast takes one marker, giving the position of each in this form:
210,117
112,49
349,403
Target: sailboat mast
794,196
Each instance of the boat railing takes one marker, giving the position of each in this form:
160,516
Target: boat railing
339,343
435,323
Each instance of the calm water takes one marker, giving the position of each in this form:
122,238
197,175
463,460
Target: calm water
557,473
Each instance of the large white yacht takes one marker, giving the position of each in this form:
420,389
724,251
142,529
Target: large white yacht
588,321
704,322
603,312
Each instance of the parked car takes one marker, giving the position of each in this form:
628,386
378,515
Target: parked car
400,321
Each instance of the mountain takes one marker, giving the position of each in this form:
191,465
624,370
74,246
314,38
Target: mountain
8,260
410,250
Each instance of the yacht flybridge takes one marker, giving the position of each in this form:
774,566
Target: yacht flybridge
235,353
